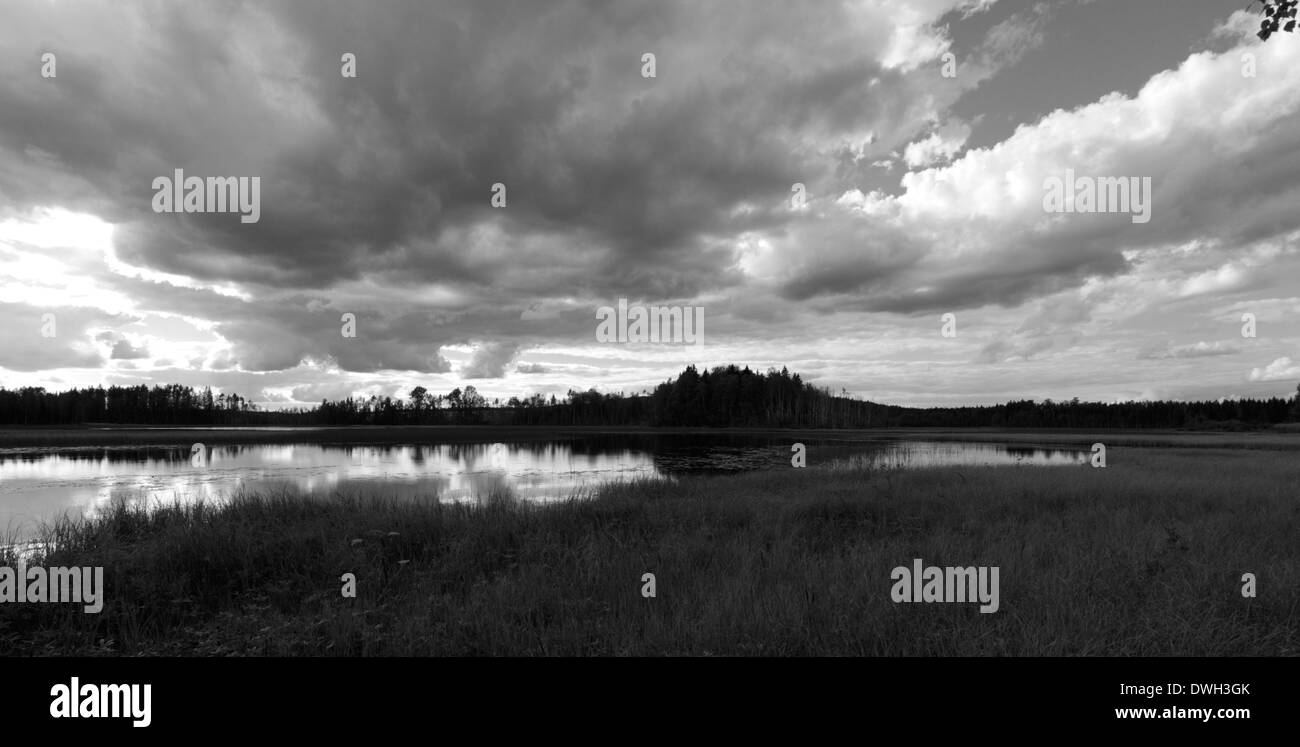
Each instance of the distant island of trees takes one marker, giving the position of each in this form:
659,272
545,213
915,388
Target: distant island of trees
723,397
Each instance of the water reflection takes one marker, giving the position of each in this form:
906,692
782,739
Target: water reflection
36,485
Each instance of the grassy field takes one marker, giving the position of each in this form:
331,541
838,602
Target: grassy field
1144,557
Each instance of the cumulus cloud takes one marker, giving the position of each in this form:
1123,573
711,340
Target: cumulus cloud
490,360
1282,368
940,145
975,231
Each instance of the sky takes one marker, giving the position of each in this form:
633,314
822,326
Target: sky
922,135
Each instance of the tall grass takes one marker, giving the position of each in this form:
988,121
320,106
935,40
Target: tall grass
1142,558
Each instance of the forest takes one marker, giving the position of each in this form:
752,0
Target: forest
722,397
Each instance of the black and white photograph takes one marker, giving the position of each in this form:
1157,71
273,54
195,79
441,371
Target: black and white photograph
902,333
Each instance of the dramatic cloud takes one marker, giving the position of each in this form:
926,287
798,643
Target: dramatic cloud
923,192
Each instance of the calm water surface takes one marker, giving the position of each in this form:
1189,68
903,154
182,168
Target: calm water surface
38,484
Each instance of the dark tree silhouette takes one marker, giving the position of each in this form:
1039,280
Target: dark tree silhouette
722,397
1279,15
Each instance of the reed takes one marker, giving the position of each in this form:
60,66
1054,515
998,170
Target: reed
1144,557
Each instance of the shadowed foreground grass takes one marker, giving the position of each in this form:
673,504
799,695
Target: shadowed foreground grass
1144,557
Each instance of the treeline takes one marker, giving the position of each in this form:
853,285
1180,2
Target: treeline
723,397
731,397
138,405
1229,414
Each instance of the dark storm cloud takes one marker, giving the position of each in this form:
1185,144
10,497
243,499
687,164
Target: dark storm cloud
617,185
449,99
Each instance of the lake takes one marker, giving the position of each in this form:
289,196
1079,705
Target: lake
39,483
